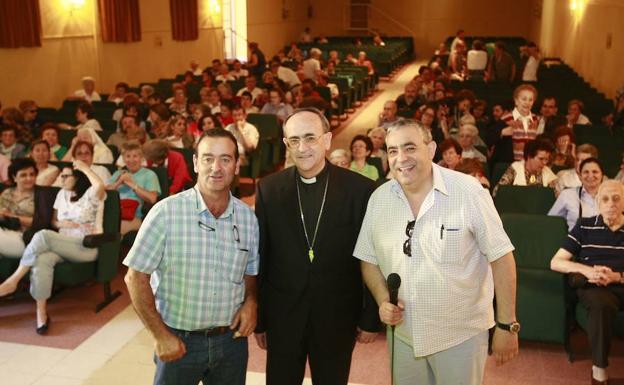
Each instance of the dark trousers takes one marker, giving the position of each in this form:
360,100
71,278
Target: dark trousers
602,305
329,352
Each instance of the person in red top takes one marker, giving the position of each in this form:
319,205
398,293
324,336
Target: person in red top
157,153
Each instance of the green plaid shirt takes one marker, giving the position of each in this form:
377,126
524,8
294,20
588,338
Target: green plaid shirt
197,262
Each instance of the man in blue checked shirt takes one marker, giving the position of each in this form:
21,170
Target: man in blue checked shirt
199,252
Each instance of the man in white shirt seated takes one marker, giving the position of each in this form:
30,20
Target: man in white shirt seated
224,74
548,111
312,64
246,134
575,113
389,114
238,70
87,92
250,86
285,74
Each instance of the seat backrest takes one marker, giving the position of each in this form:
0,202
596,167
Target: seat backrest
163,180
267,124
536,238
524,199
378,165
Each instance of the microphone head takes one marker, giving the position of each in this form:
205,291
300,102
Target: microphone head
394,281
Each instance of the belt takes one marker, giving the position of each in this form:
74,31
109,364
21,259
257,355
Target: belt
210,332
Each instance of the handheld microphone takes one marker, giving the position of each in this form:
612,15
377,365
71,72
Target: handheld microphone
394,282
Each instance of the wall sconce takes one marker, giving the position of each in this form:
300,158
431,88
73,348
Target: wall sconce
74,5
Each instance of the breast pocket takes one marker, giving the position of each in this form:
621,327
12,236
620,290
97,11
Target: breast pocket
451,241
236,269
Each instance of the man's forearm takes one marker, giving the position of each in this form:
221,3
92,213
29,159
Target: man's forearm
504,273
144,303
251,288
375,282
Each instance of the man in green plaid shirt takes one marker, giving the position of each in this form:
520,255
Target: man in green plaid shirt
192,273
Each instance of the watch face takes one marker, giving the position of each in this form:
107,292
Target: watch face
514,327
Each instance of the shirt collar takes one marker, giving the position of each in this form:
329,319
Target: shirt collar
438,182
516,115
201,205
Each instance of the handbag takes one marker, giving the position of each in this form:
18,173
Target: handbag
10,223
128,208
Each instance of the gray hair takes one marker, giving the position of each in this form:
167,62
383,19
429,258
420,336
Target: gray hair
318,113
404,123
609,183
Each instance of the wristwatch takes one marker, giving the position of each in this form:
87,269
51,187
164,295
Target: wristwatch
513,327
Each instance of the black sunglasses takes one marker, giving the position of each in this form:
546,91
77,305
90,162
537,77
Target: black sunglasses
407,245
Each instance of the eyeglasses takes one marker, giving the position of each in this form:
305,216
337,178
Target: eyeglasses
310,140
407,245
65,176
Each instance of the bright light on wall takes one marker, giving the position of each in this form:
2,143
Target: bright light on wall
75,4
214,7
578,8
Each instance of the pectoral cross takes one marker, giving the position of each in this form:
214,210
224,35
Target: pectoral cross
311,254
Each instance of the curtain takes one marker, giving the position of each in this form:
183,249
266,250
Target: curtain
119,20
20,23
184,19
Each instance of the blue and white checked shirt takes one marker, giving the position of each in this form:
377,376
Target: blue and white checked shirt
446,284
197,262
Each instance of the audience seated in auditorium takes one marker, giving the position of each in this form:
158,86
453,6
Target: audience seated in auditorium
246,134
117,96
574,203
82,150
46,172
564,147
75,216
473,167
591,255
87,92
312,64
247,103
251,87
548,112
467,136
458,62
5,162
85,117
12,116
177,135
225,116
135,184
340,157
285,74
238,71
195,68
378,136
361,149
533,170
207,79
478,111
502,67
451,153
158,154
17,207
276,105
389,114
224,74
29,110
575,113
130,130
461,113
145,92
570,178
179,102
378,41
434,118
9,146
362,60
408,100
101,153
129,106
159,117
213,101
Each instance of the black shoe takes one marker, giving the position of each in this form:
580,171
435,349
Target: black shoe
43,329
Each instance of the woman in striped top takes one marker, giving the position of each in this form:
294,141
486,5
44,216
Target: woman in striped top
598,244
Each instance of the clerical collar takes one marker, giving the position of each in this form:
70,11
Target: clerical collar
314,179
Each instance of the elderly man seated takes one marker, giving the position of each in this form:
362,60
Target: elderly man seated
389,114
468,134
87,92
596,271
533,169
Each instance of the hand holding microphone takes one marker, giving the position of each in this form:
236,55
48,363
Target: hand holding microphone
391,312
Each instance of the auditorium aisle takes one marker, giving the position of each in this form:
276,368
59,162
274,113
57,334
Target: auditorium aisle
121,351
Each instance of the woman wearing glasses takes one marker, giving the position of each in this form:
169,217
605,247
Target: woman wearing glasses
75,215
